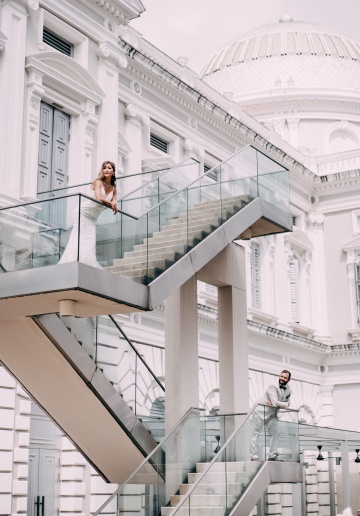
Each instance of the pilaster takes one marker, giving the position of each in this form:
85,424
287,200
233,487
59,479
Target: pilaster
315,222
111,59
293,124
136,123
327,417
12,78
35,92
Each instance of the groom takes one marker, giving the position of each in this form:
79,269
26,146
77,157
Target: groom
277,396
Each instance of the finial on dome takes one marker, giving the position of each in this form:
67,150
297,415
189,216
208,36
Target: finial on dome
286,18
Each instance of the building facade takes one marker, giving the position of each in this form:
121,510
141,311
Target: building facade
79,85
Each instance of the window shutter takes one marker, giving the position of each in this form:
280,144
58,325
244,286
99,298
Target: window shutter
55,41
159,143
255,276
213,174
294,287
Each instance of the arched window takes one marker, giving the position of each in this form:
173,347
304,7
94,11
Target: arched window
342,140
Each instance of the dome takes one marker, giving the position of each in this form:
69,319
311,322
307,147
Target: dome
285,54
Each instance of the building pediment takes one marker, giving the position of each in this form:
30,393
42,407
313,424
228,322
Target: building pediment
351,245
299,240
57,68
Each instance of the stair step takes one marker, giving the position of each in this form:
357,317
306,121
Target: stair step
233,477
198,511
213,489
207,500
239,466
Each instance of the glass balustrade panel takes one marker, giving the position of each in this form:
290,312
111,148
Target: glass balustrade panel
118,360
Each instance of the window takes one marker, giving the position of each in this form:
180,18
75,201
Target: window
213,174
159,143
255,276
55,41
294,289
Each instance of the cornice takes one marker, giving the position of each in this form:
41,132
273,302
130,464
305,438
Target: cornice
299,103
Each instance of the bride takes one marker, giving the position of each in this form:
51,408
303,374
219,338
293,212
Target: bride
104,191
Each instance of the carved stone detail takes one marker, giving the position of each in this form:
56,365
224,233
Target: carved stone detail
91,122
35,94
109,51
191,148
133,112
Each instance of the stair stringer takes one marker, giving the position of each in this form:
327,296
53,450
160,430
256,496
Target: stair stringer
260,216
61,377
269,473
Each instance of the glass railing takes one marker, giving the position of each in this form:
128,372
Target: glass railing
194,441
111,350
148,188
266,434
332,455
157,223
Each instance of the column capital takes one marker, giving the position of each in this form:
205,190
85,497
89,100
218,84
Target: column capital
315,220
191,148
293,123
108,51
135,113
90,123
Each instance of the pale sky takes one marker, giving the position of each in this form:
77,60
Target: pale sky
197,28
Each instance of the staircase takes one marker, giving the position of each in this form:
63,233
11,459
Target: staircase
218,492
158,253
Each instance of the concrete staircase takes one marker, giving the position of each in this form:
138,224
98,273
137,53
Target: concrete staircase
148,260
218,491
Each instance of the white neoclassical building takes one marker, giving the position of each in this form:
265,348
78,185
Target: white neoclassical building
79,85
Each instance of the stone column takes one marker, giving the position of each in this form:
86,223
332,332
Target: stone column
111,59
12,77
318,277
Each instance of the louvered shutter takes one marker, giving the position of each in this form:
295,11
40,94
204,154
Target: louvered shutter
294,289
255,276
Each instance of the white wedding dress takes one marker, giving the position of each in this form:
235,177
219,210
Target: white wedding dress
89,213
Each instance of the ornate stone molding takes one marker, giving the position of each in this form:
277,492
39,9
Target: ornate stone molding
135,113
90,123
191,148
28,4
35,94
315,221
109,51
279,126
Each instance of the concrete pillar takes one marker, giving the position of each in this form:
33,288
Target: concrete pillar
181,353
182,384
233,350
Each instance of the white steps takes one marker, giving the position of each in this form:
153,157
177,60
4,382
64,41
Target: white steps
174,240
218,491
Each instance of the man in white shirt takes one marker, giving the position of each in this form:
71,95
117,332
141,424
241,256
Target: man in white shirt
277,396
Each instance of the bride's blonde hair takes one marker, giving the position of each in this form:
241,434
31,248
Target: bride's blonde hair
101,173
